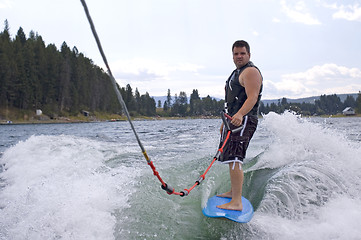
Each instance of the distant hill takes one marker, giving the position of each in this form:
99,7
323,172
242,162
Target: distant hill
308,99
161,98
164,98
270,101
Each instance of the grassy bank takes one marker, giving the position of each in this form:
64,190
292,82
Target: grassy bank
17,116
27,116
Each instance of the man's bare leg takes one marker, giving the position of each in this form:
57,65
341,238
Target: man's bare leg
236,175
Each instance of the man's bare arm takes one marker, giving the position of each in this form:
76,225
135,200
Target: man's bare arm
251,80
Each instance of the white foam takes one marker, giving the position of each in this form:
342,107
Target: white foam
295,139
315,192
60,187
338,219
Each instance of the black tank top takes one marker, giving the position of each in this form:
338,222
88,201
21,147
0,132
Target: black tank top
236,93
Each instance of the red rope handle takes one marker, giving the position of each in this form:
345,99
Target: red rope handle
170,190
227,116
202,177
156,173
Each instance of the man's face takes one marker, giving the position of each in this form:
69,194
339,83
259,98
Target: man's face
240,56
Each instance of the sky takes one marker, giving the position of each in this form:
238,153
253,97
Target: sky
303,48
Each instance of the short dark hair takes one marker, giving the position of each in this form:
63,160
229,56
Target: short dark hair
241,43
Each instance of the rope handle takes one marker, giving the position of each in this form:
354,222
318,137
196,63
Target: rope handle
186,192
164,186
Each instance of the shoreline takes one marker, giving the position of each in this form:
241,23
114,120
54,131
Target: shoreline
95,120
69,120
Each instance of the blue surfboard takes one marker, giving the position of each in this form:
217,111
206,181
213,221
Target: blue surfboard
211,210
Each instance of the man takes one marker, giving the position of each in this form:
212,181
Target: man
243,94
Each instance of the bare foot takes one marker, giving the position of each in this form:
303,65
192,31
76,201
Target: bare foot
231,206
225,195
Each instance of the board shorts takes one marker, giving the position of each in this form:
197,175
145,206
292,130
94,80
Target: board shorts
236,146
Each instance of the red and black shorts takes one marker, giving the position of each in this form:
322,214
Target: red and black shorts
236,146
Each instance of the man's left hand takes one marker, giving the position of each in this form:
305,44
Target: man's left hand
237,119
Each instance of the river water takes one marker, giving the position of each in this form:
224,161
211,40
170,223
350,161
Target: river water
91,181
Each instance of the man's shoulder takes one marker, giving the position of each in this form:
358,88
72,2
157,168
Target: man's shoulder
251,70
250,74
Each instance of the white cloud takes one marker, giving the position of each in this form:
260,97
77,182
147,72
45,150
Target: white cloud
157,76
5,4
324,79
349,12
139,66
276,20
299,13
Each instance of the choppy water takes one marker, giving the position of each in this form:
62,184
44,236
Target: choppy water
90,181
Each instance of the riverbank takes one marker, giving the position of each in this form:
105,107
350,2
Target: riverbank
81,120
28,117
16,116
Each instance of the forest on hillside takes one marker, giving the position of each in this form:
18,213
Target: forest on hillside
35,76
326,105
66,83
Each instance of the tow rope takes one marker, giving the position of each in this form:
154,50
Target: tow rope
186,191
164,185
